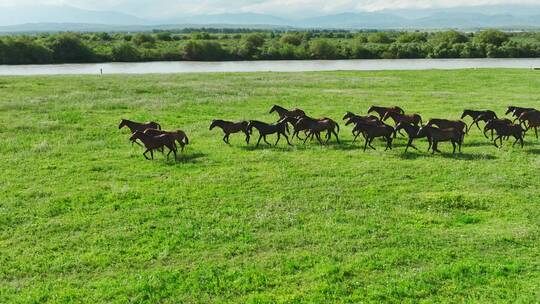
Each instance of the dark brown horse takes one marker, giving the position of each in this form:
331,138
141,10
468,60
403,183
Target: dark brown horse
495,123
265,129
505,130
449,124
412,133
530,120
455,136
178,135
282,112
356,119
316,126
152,143
517,111
414,119
382,110
373,131
230,127
138,126
478,116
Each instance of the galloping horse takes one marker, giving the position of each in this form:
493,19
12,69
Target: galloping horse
414,119
155,142
178,135
477,116
505,130
316,126
455,136
530,119
517,111
495,123
382,110
282,112
412,132
265,129
134,126
230,127
373,131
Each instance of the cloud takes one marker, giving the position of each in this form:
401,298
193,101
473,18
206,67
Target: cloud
160,8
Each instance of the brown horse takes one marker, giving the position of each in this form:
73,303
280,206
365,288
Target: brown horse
449,124
178,135
155,142
412,132
492,123
316,126
282,112
414,119
356,119
230,127
530,119
505,130
138,126
478,116
281,128
373,131
517,111
455,136
382,110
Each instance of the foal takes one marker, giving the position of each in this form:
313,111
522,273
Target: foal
152,143
479,116
505,130
230,127
382,110
437,135
178,135
266,129
282,112
495,123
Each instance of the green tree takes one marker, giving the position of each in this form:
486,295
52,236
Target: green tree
204,50
125,52
448,37
322,49
493,37
379,37
69,48
292,39
143,38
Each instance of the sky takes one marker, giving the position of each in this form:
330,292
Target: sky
163,8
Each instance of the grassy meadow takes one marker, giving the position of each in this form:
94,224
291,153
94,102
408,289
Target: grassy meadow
84,218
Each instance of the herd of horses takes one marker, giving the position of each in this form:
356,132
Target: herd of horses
369,126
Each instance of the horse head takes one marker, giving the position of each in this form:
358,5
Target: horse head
123,123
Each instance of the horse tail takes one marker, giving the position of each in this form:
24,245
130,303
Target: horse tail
337,126
186,139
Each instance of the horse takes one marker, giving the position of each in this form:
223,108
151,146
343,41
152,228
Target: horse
316,126
517,111
370,120
493,123
477,116
178,135
373,131
152,143
530,119
382,110
282,112
506,130
412,132
455,136
449,124
281,128
230,127
414,119
138,126
296,129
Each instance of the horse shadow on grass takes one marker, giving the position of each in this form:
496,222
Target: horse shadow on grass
533,151
188,158
457,156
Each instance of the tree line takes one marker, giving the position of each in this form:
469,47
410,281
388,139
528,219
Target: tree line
263,45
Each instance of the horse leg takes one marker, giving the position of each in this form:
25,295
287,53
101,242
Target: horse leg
152,154
365,145
247,138
144,154
259,141
370,141
336,135
266,141
225,139
287,139
307,136
453,146
495,141
278,137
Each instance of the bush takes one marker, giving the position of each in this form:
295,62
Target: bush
448,37
141,38
164,36
23,50
292,38
412,37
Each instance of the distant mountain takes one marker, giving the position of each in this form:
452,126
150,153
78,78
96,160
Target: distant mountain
65,18
63,14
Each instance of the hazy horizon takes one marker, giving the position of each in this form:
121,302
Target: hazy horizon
158,9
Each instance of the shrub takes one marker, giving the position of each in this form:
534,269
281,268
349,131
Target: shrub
70,48
493,37
322,49
204,50
125,52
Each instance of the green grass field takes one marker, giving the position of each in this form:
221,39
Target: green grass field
85,218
